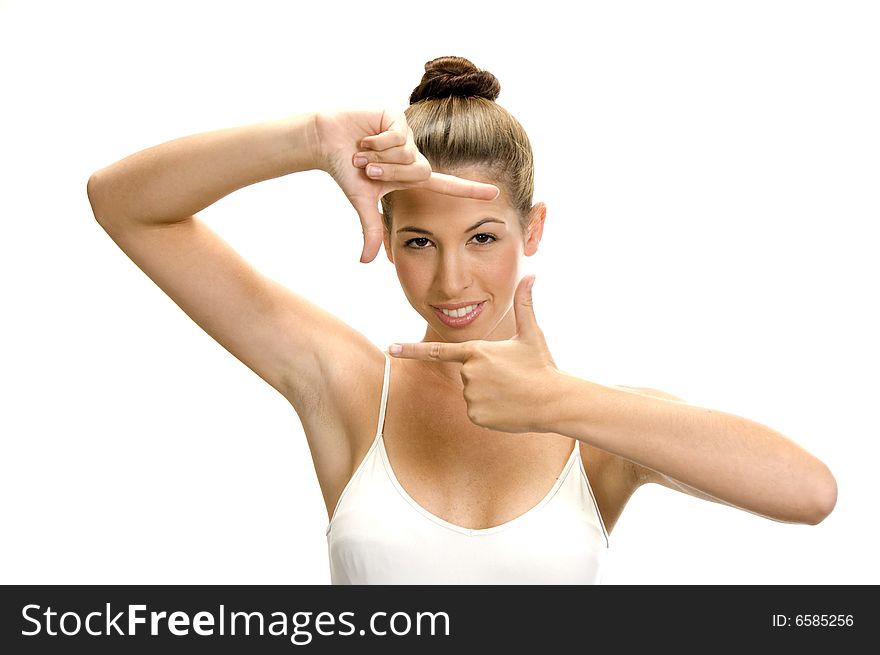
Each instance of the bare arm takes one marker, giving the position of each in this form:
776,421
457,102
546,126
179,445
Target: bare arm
514,385
173,181
704,452
147,203
641,475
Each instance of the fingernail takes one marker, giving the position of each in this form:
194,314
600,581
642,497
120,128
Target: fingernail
360,161
374,171
395,349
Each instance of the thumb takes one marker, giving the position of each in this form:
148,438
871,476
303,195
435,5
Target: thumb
526,323
372,227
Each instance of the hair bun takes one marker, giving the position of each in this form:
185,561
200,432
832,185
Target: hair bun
455,76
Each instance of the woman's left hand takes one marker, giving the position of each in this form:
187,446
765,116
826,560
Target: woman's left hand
507,383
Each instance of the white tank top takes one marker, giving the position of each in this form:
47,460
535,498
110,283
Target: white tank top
379,535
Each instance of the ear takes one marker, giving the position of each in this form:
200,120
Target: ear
386,239
536,228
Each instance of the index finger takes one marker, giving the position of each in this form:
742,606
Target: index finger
431,351
452,185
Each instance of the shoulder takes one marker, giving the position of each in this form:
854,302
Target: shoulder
614,479
640,475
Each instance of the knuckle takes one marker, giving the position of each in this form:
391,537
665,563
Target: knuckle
473,414
423,169
478,418
434,351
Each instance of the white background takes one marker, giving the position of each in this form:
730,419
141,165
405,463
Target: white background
711,172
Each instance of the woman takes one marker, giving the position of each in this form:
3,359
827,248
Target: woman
422,479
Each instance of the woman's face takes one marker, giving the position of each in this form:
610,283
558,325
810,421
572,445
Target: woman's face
462,256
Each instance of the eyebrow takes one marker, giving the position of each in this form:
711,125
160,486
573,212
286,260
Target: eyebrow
420,230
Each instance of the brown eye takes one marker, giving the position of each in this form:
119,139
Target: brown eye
418,245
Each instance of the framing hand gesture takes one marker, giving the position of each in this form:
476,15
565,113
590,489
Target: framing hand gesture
370,154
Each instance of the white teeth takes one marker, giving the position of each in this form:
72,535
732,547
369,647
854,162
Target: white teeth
458,313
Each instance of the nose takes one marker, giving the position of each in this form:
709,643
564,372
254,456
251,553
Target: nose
452,276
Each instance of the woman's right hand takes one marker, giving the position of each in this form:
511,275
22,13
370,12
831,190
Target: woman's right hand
351,143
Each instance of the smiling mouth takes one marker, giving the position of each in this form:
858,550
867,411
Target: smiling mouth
461,316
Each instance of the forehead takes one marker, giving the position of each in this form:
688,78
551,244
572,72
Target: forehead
421,205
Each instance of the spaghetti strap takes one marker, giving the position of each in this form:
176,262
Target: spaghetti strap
381,422
364,462
586,479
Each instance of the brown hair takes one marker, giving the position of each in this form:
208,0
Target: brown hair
456,123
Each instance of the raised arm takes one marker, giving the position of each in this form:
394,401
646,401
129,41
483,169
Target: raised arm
171,182
148,203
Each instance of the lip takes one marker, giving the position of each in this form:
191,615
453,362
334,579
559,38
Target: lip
459,305
459,321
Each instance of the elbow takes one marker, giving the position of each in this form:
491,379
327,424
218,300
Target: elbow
93,193
824,497
99,198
